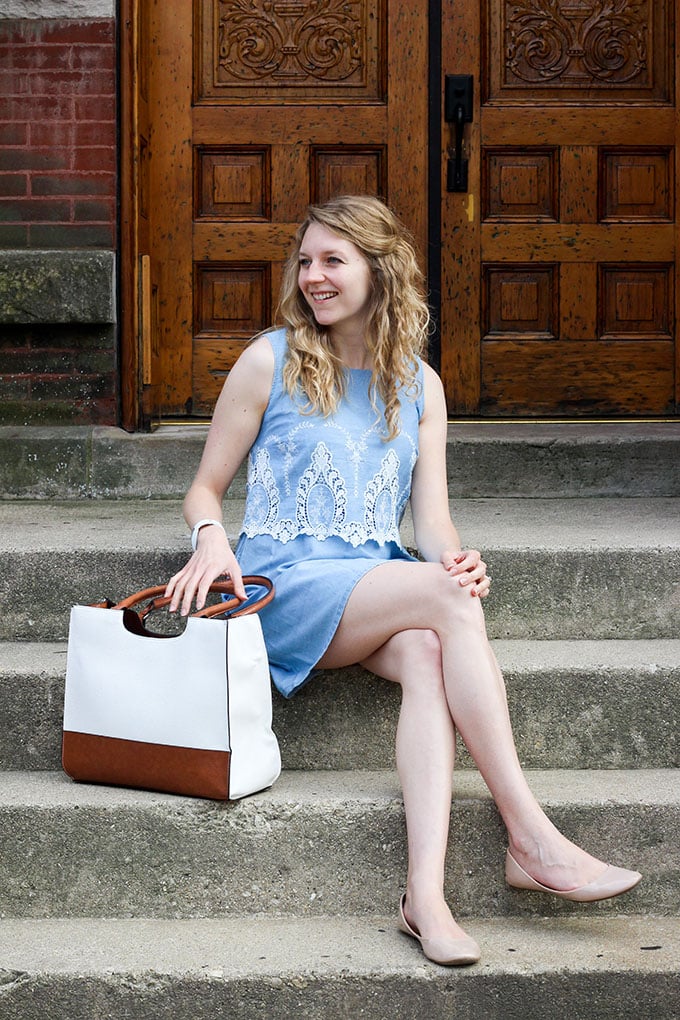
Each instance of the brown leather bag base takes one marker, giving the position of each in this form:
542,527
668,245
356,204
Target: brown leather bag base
186,771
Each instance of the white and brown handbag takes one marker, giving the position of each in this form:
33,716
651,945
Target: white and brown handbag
188,713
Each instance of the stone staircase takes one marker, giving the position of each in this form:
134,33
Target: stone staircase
123,904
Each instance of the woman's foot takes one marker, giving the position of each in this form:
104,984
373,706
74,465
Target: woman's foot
551,859
552,863
441,939
610,882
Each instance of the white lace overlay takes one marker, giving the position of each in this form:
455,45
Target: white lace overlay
320,502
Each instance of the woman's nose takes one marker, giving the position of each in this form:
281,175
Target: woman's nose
315,271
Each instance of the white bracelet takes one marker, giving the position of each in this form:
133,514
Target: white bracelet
203,524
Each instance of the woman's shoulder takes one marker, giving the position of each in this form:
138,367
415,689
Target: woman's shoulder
264,350
433,390
253,371
425,380
430,377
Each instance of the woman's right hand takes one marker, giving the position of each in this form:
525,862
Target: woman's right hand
213,559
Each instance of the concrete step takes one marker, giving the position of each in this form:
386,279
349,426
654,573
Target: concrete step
323,843
586,968
562,569
574,704
487,459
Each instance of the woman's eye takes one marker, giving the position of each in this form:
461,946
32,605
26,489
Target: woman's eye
304,262
333,259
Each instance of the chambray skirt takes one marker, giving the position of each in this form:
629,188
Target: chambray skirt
313,581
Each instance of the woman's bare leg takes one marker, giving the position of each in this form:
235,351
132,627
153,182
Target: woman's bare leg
425,752
400,596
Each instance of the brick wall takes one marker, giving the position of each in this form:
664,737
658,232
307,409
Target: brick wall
57,134
58,165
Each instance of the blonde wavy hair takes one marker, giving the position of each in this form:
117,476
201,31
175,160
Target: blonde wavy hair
398,317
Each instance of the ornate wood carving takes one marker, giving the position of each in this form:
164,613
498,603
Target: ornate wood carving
561,48
585,42
316,49
285,43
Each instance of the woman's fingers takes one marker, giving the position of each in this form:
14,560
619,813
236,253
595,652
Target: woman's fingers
470,569
212,560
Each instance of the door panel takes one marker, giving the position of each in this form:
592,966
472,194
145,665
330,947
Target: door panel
260,108
559,282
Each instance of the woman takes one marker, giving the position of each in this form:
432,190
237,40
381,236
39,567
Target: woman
343,423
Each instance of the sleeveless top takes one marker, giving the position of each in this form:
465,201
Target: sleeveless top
324,500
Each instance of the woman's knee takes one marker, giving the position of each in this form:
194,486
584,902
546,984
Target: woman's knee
414,659
422,647
454,603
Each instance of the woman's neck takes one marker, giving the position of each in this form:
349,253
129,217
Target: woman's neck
352,351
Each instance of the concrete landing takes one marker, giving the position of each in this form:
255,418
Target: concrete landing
586,968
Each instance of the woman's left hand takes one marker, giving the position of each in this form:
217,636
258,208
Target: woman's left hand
470,569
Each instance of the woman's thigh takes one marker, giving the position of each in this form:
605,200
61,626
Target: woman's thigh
392,597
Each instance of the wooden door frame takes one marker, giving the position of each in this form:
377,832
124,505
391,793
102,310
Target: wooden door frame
129,279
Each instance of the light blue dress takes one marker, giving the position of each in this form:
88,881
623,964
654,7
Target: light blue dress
325,498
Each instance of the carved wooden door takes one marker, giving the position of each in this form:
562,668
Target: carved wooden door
259,107
559,266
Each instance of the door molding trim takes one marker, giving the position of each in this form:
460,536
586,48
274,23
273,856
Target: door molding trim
128,176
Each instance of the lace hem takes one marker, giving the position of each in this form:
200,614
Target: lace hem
321,502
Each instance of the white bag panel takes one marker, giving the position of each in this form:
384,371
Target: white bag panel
156,690
255,755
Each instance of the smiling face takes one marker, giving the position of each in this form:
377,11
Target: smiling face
335,281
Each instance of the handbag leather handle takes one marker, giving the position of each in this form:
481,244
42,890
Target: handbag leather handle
156,599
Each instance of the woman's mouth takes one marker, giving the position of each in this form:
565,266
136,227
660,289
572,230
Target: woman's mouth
324,295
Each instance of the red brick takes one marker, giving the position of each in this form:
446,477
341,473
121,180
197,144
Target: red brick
36,108
73,184
52,134
14,83
92,212
13,235
101,57
94,159
35,159
36,57
93,133
92,32
13,134
56,31
13,184
100,108
17,31
71,235
93,83
18,210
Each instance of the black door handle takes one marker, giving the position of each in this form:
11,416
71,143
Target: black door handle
458,107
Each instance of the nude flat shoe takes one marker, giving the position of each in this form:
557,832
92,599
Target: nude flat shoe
612,882
447,952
